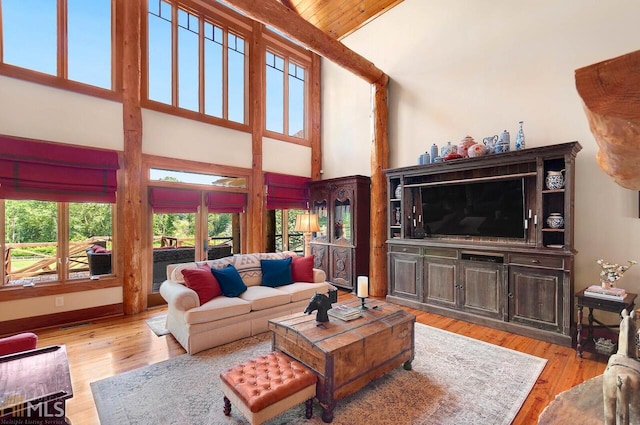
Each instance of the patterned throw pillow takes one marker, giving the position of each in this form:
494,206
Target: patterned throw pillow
203,282
302,269
276,272
230,281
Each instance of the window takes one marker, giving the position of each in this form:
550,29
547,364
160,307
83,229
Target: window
207,71
285,96
31,30
40,245
287,239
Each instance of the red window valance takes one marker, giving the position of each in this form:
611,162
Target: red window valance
31,169
226,202
172,201
287,192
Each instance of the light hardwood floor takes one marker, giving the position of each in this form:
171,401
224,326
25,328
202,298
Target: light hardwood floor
111,346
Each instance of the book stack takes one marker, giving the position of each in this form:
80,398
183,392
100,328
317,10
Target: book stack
597,291
344,312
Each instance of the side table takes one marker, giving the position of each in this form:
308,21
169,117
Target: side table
593,303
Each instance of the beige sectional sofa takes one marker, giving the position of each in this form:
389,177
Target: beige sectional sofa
225,319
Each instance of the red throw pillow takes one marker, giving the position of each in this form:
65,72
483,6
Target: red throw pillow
203,282
302,269
99,249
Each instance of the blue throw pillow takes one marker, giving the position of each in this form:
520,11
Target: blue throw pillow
230,281
276,272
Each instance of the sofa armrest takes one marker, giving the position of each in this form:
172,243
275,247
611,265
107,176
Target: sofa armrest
319,276
179,296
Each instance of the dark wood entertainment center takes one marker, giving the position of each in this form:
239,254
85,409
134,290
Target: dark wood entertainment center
519,284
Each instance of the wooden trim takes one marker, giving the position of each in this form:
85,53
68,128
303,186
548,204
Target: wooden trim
175,77
153,161
192,115
274,13
379,162
62,40
57,82
116,42
286,138
315,116
12,293
66,318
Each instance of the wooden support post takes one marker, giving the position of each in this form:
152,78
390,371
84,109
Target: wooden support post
133,291
256,237
315,118
379,162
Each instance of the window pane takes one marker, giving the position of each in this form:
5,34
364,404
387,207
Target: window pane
296,101
89,38
31,238
212,71
219,230
236,79
275,94
160,55
188,61
158,174
90,236
173,243
30,34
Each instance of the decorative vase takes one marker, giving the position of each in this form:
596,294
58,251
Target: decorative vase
398,217
464,145
504,143
555,221
476,150
520,137
555,180
433,152
398,192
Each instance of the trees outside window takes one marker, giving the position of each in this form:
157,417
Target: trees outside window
48,241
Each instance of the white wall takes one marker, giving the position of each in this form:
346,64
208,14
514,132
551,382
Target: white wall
461,67
286,158
28,307
41,112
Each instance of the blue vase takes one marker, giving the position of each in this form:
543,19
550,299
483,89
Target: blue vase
520,137
434,152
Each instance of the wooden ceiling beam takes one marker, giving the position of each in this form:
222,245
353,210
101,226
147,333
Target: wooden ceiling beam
275,14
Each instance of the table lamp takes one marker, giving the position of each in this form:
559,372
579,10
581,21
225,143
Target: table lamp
307,223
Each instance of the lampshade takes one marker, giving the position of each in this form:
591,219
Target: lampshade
307,222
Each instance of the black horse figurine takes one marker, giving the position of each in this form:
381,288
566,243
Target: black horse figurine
321,303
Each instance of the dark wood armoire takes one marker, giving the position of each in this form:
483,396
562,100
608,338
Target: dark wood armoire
341,247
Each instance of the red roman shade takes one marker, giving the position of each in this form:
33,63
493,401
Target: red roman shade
287,192
31,169
226,202
172,201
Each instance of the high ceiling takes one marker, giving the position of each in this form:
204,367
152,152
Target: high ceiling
338,18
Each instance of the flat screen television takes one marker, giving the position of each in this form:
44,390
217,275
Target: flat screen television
485,208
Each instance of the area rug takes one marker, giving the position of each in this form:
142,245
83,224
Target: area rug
455,380
157,324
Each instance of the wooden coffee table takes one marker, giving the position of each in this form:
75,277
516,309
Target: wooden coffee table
34,387
346,356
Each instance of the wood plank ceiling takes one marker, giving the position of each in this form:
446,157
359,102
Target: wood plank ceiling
339,18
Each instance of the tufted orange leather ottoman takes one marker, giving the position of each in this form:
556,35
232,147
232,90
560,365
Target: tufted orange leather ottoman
264,387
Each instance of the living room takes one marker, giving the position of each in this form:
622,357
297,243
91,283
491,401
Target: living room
456,69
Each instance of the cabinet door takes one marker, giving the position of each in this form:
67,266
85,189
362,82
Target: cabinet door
440,282
320,257
342,208
319,204
406,276
482,286
534,297
341,266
